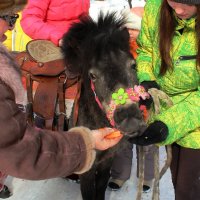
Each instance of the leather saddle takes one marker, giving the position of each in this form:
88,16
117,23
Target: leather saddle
43,72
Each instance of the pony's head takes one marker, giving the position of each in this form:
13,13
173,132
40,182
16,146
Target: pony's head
100,52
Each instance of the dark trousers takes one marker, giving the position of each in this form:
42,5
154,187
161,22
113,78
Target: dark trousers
185,169
122,163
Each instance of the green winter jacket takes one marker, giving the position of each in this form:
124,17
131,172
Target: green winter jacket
182,85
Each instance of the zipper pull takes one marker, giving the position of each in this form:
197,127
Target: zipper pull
192,57
182,58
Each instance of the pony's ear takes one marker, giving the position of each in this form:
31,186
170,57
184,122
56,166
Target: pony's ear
123,39
70,45
77,33
71,53
74,39
126,30
126,34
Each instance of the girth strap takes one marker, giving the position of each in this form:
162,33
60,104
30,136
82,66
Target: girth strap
61,102
29,84
76,102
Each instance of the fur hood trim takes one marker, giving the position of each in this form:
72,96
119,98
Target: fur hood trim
89,143
10,74
133,20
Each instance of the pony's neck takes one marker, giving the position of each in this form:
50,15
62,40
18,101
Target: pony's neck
90,113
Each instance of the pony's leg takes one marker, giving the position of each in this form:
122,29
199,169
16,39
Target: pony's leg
102,177
87,185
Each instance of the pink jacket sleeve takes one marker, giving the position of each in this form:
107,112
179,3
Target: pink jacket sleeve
33,22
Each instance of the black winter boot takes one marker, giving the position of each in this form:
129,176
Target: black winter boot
5,193
73,178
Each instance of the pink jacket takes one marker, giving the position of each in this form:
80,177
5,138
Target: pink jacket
50,19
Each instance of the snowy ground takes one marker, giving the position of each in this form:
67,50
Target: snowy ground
60,189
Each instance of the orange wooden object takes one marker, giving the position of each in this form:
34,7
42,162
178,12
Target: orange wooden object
133,48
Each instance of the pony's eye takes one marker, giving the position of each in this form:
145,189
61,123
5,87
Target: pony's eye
92,77
133,66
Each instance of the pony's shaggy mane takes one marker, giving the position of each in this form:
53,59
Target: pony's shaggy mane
99,38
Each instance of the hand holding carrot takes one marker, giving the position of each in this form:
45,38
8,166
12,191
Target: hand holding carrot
106,138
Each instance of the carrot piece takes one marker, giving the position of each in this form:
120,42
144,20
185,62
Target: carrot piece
114,134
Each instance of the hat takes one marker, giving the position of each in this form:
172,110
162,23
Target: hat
133,20
195,2
8,7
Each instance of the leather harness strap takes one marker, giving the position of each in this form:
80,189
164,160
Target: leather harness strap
61,101
30,98
76,102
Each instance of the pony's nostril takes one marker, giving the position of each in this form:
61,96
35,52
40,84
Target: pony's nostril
119,115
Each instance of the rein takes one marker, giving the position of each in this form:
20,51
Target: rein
121,97
95,95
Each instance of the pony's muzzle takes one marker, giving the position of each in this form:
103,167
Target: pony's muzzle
129,120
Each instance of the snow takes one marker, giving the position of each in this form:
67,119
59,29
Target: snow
61,189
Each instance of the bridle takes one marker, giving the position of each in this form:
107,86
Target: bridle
120,98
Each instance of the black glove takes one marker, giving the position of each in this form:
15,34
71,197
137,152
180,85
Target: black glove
155,133
147,85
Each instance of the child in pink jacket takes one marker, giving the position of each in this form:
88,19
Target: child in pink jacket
50,19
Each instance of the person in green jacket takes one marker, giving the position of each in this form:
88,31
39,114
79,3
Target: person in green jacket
169,59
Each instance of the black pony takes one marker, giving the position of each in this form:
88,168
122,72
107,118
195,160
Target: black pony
99,52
